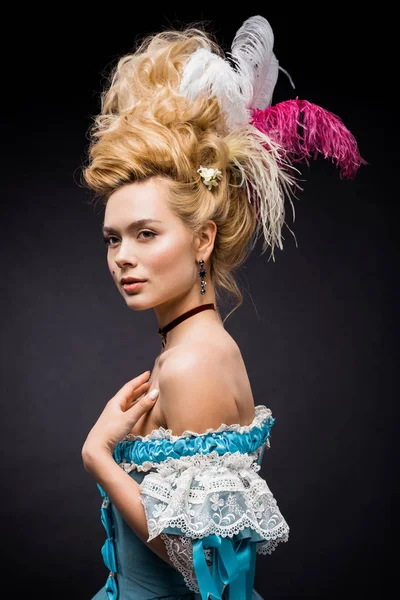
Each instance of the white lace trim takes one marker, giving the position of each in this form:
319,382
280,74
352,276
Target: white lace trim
261,414
269,546
211,494
180,552
148,465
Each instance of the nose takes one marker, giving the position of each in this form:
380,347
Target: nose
124,257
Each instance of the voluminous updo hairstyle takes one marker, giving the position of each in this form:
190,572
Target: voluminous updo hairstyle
146,128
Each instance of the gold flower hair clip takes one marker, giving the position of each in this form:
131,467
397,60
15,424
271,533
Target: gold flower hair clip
210,177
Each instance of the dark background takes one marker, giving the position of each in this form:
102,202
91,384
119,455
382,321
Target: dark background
318,328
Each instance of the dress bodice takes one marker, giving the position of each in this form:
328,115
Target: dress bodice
202,494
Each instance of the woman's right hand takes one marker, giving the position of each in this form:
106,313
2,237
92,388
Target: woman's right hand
120,414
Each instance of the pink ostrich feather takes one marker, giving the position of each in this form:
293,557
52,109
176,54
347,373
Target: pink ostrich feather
306,130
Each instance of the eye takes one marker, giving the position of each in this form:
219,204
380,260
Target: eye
149,236
106,240
152,234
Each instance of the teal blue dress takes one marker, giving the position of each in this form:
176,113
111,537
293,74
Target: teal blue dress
203,495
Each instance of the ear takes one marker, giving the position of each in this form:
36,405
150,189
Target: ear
206,239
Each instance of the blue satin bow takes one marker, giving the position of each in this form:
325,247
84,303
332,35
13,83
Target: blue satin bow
233,563
108,549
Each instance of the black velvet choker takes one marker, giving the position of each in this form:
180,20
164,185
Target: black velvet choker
164,330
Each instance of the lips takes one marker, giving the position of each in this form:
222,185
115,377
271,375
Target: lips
134,286
131,280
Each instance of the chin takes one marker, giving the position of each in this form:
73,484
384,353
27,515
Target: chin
136,303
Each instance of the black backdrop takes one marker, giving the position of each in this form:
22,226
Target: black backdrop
317,330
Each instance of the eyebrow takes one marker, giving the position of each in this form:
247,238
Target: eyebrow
133,225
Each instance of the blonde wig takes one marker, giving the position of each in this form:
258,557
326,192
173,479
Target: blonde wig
148,127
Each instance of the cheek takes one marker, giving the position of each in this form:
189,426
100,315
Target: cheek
170,257
112,267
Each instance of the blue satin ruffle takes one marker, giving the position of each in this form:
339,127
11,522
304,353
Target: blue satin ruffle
138,451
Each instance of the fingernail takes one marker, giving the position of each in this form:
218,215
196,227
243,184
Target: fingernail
153,394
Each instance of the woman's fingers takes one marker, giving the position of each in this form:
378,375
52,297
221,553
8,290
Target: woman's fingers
130,400
144,404
131,390
133,398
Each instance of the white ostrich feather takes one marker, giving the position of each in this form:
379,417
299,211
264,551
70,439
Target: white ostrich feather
207,73
252,53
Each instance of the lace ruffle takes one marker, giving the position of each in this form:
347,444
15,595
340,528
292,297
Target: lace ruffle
180,551
261,413
269,546
211,494
151,465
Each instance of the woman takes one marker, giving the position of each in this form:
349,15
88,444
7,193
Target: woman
191,165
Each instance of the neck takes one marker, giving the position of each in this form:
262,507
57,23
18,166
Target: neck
188,326
168,311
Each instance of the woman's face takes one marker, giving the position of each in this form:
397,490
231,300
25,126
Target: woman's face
160,250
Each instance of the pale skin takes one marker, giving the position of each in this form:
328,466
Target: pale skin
197,390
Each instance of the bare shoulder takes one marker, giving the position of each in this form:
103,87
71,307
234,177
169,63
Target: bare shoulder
196,387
